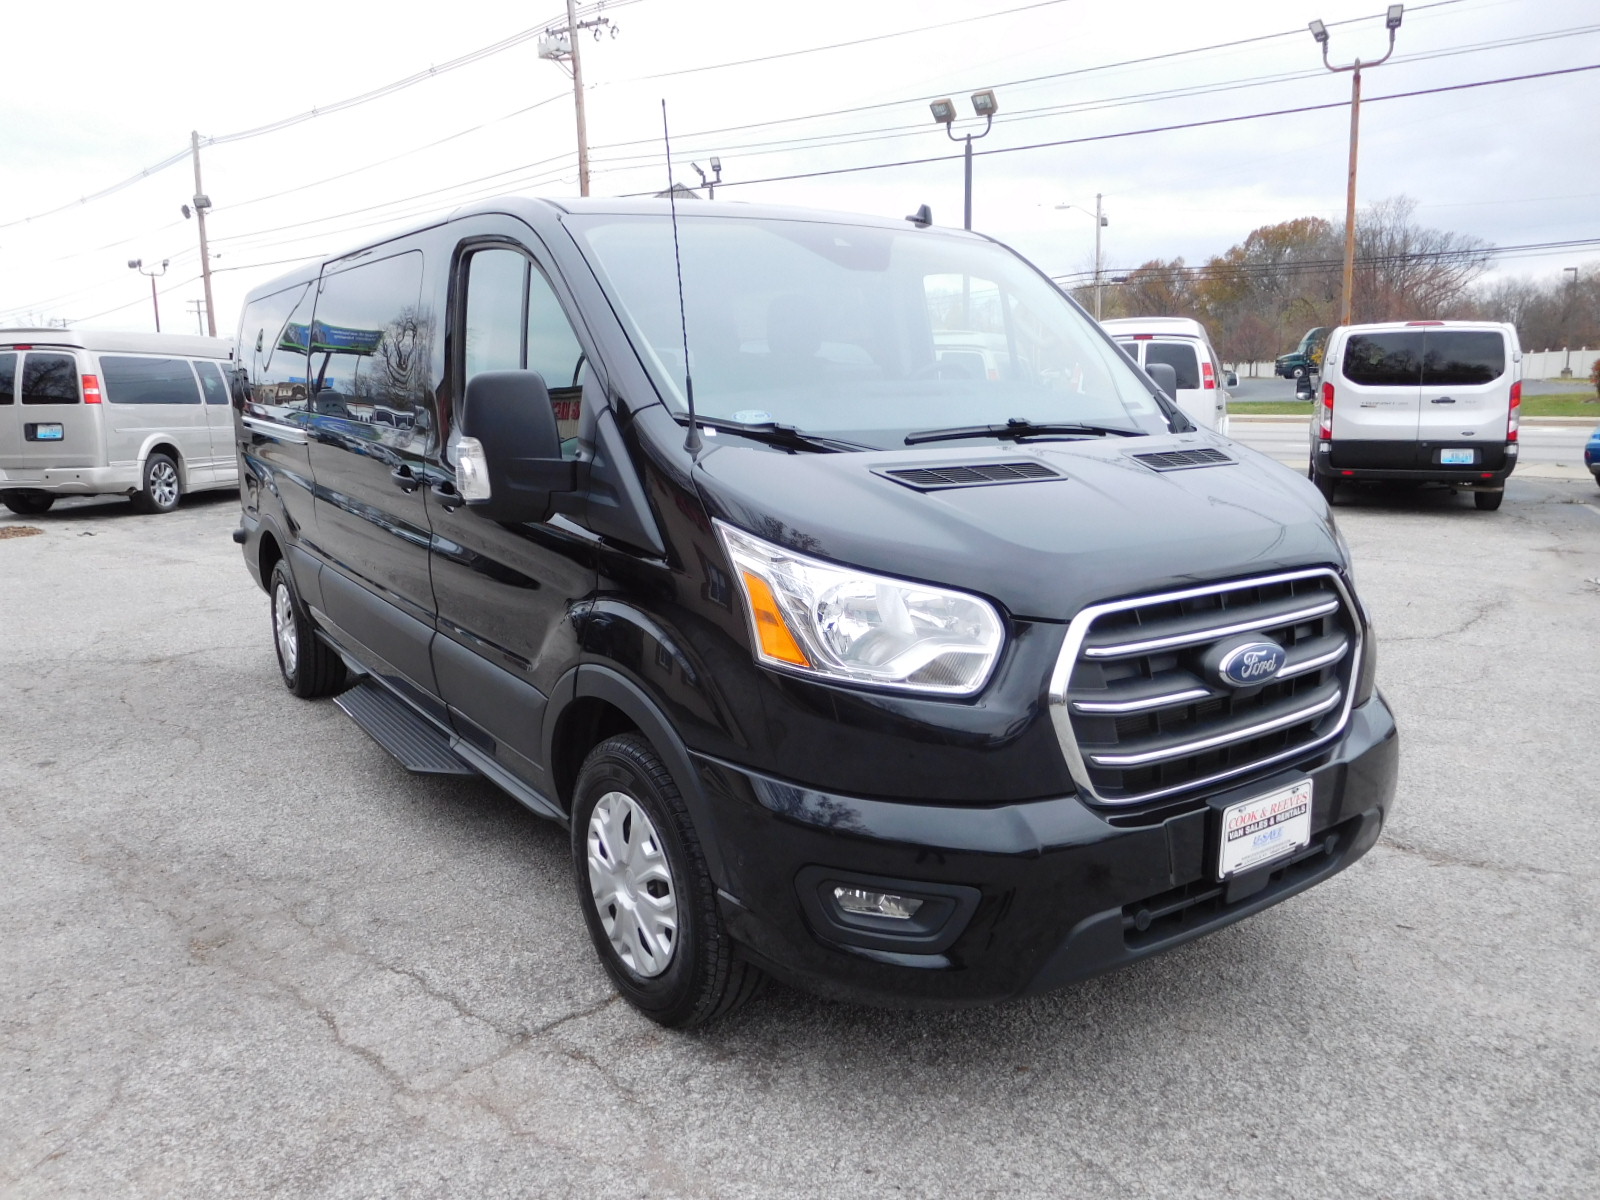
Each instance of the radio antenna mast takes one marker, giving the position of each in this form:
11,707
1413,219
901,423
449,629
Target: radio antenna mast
692,442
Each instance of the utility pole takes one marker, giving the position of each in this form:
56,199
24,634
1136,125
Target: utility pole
1320,32
198,307
561,48
201,203
1099,223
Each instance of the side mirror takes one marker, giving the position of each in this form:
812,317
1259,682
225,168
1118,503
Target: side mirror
509,458
1164,378
1231,379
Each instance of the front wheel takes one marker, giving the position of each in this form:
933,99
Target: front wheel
162,486
646,894
27,503
1488,501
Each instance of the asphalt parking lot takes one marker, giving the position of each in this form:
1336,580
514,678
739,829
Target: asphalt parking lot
246,954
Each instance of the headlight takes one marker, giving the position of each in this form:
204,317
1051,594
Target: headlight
831,622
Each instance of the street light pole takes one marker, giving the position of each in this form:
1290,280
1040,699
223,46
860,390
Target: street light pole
201,203
1100,222
137,264
1320,32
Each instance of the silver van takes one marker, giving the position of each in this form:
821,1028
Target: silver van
85,412
1183,345
1419,402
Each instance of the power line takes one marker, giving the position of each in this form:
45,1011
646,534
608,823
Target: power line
1103,137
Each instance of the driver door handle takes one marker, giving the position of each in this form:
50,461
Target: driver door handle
404,479
445,493
1443,400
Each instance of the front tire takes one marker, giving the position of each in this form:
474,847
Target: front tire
646,894
309,666
162,486
27,503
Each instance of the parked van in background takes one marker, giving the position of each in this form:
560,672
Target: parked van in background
1183,345
86,413
895,679
1421,402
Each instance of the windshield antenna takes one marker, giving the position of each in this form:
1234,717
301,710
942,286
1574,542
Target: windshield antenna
691,443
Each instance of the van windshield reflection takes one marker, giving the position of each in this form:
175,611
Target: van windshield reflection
864,332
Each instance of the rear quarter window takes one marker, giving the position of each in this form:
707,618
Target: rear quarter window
1384,359
1456,357
1183,360
129,380
8,377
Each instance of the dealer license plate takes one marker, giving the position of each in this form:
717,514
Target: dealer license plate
1264,828
1458,456
47,433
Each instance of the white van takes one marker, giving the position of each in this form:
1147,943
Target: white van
1419,401
85,413
1184,346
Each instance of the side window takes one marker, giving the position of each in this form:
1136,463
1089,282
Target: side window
130,380
49,379
497,282
1458,357
8,377
1181,358
370,344
216,392
1384,359
274,341
514,322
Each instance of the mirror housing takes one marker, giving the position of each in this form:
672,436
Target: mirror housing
1231,379
1165,378
508,414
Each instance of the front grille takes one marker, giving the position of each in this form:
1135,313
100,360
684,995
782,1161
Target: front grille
1183,460
1138,715
929,479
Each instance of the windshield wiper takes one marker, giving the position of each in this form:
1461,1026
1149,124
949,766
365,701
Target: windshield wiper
785,437
1015,429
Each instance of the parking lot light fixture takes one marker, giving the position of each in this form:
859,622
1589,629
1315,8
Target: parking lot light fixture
137,264
944,113
1320,32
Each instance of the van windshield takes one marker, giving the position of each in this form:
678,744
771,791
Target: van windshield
863,332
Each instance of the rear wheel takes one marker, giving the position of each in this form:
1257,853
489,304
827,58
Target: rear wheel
162,486
1326,484
645,892
1488,501
27,503
309,666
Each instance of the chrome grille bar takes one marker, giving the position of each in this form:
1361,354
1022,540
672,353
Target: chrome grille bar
1185,749
1195,637
1117,707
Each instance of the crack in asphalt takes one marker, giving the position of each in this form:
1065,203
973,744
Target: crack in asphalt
1440,859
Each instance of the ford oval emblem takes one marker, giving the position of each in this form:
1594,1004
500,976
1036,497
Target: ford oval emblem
1251,664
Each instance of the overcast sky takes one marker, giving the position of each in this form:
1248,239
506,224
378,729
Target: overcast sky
95,93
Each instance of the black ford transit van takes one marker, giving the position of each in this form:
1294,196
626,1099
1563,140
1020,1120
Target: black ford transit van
901,681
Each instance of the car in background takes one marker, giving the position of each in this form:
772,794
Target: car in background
1183,345
1591,454
1419,402
84,412
1306,358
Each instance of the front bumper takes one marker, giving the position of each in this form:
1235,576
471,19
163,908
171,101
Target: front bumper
1063,891
121,479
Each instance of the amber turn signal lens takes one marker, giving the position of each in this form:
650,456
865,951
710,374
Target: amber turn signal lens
776,640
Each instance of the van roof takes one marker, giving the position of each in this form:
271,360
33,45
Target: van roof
1391,326
1167,326
115,341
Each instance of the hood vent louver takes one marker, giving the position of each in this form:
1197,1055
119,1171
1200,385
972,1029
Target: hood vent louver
957,475
1184,460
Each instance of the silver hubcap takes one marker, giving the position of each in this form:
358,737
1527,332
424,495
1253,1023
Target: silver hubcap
283,628
632,884
164,484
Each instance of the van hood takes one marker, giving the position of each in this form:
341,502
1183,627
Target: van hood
1109,526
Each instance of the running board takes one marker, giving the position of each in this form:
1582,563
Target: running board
417,745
